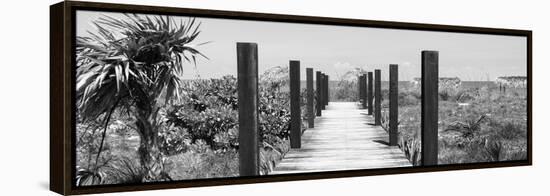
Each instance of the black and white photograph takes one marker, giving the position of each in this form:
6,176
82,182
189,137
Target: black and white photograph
165,98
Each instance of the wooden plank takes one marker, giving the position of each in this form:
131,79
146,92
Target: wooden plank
394,105
343,139
377,97
247,76
310,97
369,92
430,79
318,108
295,111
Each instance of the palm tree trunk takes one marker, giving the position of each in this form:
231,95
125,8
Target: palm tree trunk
149,151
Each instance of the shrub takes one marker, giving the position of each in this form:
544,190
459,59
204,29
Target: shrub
174,139
407,99
412,149
204,125
122,170
444,95
125,170
466,95
202,162
494,149
345,91
468,129
208,115
508,130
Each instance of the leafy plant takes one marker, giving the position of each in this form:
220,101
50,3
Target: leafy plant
494,150
412,149
468,129
86,177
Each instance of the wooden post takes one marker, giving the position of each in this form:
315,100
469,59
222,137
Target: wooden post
430,79
394,105
364,89
377,97
309,86
247,65
359,90
369,92
318,105
327,89
295,111
323,91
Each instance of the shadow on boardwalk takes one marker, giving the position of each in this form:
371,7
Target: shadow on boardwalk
343,139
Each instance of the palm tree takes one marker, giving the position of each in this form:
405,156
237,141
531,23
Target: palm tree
128,64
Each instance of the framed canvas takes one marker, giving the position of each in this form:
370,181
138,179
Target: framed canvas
145,97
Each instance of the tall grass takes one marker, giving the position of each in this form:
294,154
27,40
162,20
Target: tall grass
476,124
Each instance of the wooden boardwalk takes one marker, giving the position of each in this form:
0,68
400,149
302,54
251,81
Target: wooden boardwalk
344,138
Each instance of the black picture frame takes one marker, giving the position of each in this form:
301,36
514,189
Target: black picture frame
62,80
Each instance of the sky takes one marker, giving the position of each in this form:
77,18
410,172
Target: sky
337,49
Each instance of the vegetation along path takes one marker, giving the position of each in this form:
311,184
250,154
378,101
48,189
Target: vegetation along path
344,138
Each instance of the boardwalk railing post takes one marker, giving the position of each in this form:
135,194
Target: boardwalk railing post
364,90
323,91
318,87
430,79
247,76
394,105
309,86
359,90
327,90
295,111
377,97
369,92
